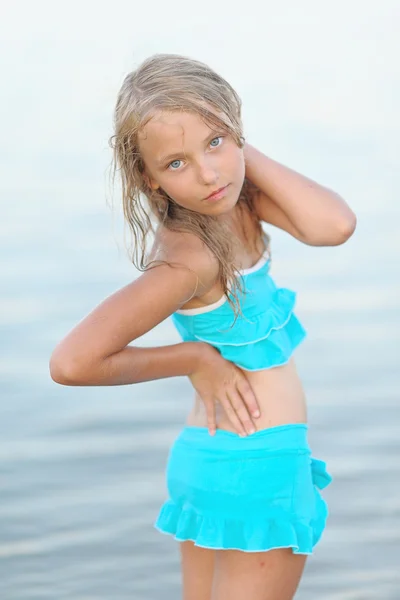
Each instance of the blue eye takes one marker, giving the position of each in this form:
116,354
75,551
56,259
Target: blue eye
174,162
217,139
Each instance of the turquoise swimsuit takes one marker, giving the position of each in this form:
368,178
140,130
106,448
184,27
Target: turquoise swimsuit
259,492
264,337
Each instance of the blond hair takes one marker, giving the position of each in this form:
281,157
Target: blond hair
171,82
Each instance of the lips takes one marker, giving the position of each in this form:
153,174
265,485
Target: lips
216,192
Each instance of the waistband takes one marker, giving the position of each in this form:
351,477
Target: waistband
293,436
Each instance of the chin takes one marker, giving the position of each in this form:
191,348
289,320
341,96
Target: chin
229,203
220,211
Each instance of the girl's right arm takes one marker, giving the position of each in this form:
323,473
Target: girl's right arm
96,351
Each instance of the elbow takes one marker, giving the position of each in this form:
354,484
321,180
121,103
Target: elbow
345,228
336,233
344,223
65,371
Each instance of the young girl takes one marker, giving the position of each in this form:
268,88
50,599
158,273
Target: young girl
244,499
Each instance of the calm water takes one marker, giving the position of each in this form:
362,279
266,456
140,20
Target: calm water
82,469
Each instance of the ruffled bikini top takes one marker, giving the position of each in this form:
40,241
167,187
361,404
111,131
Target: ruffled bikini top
266,333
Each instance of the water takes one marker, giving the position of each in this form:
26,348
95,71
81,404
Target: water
82,468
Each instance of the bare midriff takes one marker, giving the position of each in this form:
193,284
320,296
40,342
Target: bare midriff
280,396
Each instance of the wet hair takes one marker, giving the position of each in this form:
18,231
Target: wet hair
176,83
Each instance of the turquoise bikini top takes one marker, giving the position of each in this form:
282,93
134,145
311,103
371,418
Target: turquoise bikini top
264,337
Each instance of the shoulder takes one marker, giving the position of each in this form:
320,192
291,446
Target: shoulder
185,252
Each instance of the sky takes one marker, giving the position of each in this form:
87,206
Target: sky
335,64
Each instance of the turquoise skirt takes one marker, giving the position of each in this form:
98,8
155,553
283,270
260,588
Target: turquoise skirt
253,494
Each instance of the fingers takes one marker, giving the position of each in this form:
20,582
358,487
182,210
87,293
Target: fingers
232,416
210,411
240,405
249,397
241,412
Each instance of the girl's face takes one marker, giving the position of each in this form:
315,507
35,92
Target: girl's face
190,161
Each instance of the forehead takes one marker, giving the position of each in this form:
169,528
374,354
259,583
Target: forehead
166,128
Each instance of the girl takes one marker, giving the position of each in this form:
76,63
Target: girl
244,499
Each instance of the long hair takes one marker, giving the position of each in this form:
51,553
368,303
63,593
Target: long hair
172,82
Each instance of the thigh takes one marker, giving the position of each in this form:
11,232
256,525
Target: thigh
272,575
197,571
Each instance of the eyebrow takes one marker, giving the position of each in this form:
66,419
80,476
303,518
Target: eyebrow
161,161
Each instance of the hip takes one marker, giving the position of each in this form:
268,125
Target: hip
263,463
251,494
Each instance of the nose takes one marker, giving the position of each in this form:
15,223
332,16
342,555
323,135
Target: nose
207,173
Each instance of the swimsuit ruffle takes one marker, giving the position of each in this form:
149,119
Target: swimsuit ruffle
250,533
266,340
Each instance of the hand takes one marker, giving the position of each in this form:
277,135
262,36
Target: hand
217,379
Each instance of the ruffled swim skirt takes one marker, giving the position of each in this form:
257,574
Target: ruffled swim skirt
253,494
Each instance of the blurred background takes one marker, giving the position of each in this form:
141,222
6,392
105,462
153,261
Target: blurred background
82,469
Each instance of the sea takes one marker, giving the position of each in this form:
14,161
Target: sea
83,468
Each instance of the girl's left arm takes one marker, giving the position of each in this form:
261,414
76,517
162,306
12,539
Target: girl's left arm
308,211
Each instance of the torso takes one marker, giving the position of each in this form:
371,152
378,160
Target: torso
279,391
